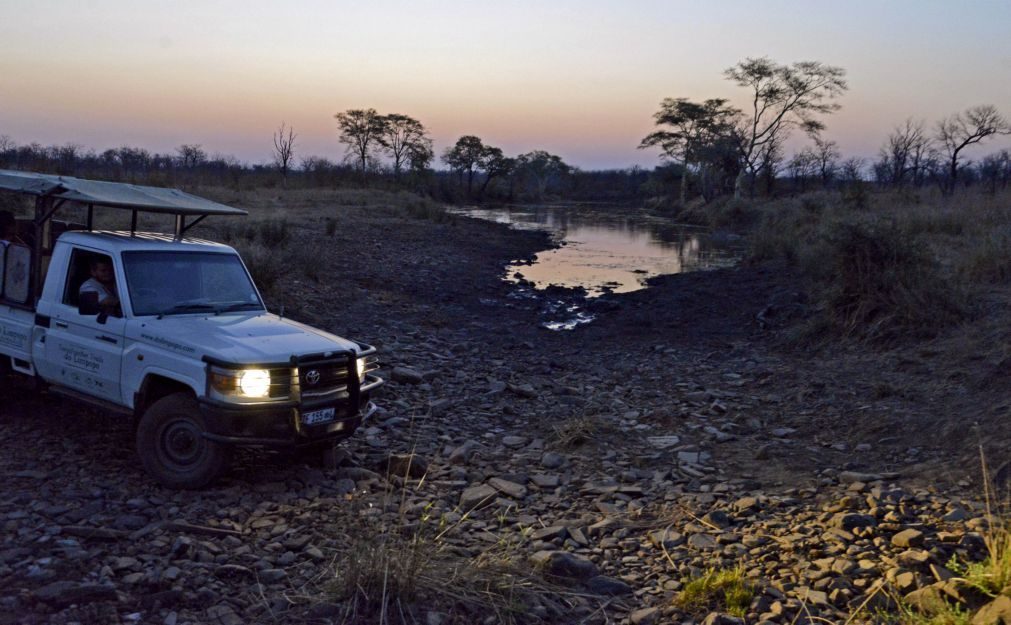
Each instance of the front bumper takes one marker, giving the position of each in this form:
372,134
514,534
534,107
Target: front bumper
279,425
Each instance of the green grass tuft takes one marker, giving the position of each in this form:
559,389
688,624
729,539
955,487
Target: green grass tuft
725,590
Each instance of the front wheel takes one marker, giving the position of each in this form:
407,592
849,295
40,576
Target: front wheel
172,447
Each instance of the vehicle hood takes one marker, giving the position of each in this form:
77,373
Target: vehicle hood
237,338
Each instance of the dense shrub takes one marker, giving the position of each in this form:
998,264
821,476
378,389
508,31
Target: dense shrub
880,283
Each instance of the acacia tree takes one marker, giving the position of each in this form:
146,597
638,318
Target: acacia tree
402,137
465,157
420,155
284,150
362,131
959,131
542,167
783,97
692,127
495,165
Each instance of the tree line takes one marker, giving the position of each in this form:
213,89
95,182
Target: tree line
708,148
718,149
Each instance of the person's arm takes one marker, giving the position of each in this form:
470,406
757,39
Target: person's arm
107,302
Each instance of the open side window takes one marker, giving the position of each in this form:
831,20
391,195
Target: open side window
79,272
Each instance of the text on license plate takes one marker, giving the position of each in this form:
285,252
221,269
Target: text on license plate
319,416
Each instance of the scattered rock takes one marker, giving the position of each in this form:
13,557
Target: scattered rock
406,375
607,586
564,564
477,497
65,593
908,538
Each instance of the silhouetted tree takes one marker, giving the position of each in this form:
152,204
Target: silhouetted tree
994,170
851,170
783,96
284,150
905,155
362,131
404,139
465,157
692,127
541,168
191,156
495,165
8,151
826,156
803,166
959,131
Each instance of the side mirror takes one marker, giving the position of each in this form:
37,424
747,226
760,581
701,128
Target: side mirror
87,304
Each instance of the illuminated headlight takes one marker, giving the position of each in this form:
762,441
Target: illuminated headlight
250,385
361,368
254,382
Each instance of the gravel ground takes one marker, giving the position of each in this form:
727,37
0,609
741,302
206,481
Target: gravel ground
525,475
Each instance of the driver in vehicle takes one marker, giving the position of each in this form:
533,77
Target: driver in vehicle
102,282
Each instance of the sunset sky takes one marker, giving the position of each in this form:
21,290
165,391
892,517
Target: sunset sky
578,78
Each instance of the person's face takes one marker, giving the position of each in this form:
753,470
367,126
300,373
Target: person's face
102,272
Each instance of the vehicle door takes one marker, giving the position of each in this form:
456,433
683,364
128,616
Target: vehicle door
86,351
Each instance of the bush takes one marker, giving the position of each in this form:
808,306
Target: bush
423,208
273,232
881,284
307,257
265,267
732,213
783,233
990,261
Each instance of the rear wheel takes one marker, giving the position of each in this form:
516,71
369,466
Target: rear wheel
172,447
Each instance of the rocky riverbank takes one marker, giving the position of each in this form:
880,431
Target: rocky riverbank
513,474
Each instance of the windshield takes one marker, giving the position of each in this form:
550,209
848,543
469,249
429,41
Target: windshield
170,283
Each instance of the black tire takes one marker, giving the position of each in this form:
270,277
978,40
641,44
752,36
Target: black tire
172,447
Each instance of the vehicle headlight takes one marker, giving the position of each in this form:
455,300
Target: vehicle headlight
254,382
250,386
361,369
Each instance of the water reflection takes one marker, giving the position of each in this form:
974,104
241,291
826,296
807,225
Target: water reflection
606,252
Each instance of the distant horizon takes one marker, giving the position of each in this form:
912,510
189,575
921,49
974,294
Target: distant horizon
579,79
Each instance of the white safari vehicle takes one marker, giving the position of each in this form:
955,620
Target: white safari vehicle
188,352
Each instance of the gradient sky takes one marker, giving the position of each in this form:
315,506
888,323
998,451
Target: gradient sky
581,79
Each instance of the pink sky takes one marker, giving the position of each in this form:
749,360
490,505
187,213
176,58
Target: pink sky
580,79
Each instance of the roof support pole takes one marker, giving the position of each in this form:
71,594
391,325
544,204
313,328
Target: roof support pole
133,223
91,217
43,211
180,227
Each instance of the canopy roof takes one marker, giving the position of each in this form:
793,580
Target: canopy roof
113,194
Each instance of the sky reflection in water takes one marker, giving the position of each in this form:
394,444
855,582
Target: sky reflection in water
602,252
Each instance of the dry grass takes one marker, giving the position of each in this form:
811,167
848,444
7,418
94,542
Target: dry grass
579,430
938,612
395,575
880,283
905,265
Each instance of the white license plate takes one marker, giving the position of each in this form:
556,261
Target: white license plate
319,416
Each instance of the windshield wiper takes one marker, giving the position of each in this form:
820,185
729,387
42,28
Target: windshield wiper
186,307
236,306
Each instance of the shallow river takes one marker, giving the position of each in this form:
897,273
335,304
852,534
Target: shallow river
607,251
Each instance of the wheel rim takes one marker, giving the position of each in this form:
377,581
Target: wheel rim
181,443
